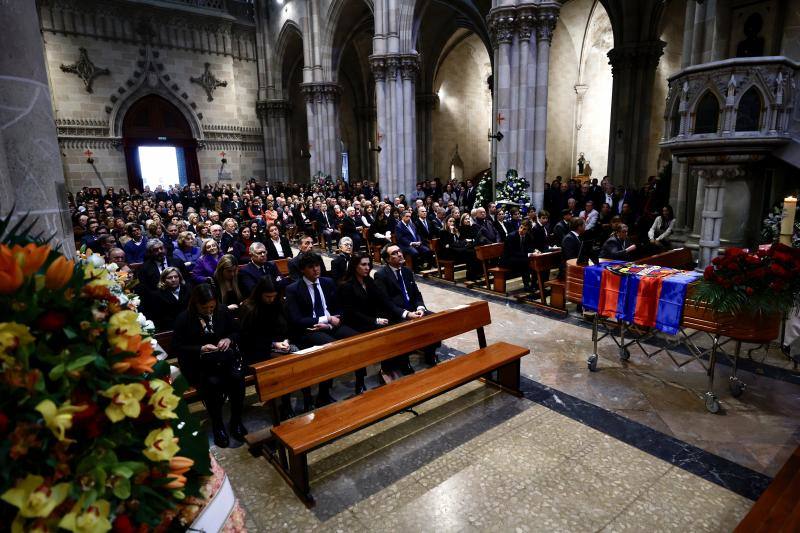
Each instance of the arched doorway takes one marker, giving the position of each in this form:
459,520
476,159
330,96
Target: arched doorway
159,146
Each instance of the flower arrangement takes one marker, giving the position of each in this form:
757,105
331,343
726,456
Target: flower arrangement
484,193
771,227
764,282
513,189
93,436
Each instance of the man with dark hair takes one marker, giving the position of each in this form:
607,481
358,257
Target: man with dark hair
561,228
314,312
572,245
404,298
410,241
306,243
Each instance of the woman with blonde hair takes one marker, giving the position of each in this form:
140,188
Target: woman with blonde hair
226,283
171,299
206,265
186,250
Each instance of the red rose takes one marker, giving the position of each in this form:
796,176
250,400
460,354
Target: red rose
123,524
51,321
749,291
3,423
738,280
708,273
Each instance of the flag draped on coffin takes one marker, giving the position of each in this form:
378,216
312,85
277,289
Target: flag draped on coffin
646,295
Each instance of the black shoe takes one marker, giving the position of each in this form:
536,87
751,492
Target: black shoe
360,388
238,431
406,369
323,400
308,405
432,360
221,437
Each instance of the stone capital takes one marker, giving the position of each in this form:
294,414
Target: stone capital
409,66
272,108
324,91
502,26
546,24
378,66
633,55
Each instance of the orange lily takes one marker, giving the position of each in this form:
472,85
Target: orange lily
142,362
178,466
59,273
11,276
30,257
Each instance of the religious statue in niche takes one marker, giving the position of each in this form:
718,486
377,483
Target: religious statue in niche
753,43
587,169
581,164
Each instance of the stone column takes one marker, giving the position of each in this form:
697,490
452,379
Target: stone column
633,67
378,66
426,105
714,184
272,114
31,175
544,35
525,26
502,26
323,127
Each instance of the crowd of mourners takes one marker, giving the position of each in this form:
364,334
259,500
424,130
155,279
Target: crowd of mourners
204,258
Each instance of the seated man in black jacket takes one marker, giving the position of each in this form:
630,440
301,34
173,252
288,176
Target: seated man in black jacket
517,253
149,274
314,312
572,245
404,298
617,246
257,268
306,247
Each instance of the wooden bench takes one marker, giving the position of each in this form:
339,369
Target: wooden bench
303,434
540,265
488,254
778,508
283,266
446,267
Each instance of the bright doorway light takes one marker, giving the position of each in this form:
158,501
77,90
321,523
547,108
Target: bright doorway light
159,166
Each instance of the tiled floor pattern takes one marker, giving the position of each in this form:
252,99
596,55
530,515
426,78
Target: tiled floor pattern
524,468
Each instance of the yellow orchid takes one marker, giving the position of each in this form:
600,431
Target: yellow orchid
94,519
58,419
34,498
124,401
123,324
162,445
163,400
12,336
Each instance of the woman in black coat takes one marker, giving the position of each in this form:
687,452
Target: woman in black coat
455,248
363,303
171,299
204,341
274,238
265,331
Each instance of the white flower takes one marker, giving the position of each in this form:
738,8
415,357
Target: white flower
146,325
112,267
96,260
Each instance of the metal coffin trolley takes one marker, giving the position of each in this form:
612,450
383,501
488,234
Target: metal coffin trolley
697,320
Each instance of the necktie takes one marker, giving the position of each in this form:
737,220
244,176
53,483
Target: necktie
402,286
413,233
319,310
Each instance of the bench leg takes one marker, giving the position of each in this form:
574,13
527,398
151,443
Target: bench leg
298,470
500,282
449,271
506,378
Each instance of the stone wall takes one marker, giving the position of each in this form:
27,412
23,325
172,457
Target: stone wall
464,114
92,120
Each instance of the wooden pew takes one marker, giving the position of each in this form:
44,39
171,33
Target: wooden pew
778,508
303,434
487,254
541,264
283,266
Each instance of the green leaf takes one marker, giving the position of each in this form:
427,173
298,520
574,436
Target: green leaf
81,362
134,466
122,488
56,372
70,333
122,471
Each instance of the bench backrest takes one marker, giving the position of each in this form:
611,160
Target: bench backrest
489,251
546,261
292,372
282,266
433,244
164,339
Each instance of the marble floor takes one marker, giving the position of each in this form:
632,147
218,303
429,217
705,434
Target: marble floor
627,448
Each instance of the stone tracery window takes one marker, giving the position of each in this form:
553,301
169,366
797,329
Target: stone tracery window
675,119
748,114
707,114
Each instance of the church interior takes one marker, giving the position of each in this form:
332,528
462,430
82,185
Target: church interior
400,265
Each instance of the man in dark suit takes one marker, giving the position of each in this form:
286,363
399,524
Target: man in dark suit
314,312
306,247
572,245
487,234
404,298
561,228
352,228
327,226
617,246
425,229
470,194
517,252
257,268
539,235
411,243
149,273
